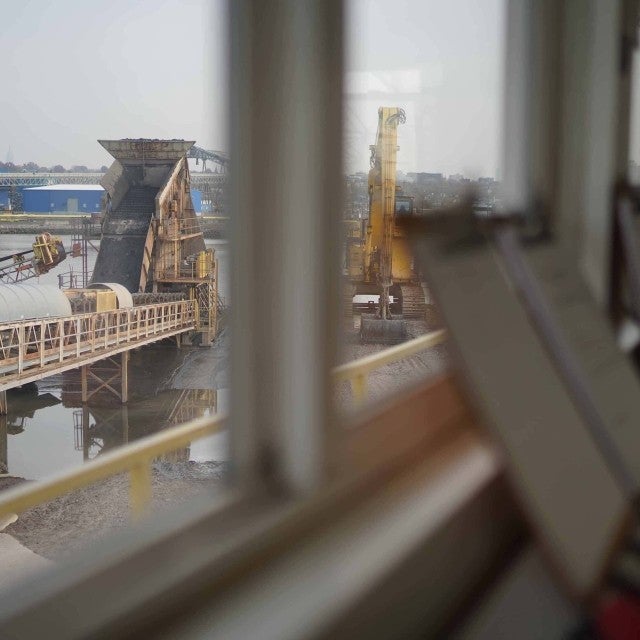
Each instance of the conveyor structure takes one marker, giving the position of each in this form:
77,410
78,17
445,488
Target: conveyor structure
151,238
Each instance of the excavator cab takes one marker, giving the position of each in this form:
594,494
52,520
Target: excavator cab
404,206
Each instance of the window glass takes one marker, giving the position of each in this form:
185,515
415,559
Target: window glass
115,144
422,111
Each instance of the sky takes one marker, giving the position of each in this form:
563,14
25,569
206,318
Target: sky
75,71
78,70
440,60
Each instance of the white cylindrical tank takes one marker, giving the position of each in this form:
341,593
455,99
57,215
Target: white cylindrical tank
26,301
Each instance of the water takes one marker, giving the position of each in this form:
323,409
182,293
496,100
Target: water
47,430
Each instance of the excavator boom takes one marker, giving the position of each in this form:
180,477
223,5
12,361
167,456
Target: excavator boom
381,327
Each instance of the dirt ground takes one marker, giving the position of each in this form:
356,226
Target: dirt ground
60,527
392,377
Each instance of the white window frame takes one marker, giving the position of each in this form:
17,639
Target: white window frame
286,127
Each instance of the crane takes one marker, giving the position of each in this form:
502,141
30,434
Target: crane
379,262
46,252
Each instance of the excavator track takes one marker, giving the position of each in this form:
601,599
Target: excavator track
413,302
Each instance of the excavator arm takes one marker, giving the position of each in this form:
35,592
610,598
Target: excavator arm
380,229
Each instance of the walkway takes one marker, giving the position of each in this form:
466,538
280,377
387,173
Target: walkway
34,349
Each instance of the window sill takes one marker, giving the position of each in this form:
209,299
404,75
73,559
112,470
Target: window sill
412,508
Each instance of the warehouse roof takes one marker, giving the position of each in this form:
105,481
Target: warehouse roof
68,187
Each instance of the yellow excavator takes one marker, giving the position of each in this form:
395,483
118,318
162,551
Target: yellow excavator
379,264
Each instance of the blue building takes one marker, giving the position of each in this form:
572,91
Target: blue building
73,198
196,198
63,198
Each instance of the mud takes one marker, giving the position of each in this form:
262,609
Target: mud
59,528
393,377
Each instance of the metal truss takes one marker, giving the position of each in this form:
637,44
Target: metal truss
198,180
217,157
46,179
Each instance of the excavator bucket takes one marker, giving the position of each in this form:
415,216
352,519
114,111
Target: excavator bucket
376,330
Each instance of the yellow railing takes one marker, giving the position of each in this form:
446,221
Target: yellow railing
358,371
136,458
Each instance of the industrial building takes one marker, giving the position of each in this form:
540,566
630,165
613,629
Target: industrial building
63,198
71,198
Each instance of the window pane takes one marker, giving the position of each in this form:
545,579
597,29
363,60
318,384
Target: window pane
422,114
145,209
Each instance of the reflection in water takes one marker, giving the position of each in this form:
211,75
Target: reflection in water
99,429
40,444
23,403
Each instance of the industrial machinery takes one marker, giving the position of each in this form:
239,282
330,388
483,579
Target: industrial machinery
379,263
152,243
24,301
101,296
46,252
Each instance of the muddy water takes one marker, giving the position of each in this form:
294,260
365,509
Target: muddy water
48,431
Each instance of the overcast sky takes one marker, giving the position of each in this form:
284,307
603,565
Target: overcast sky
440,60
75,71
78,70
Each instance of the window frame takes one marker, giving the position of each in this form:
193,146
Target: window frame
291,455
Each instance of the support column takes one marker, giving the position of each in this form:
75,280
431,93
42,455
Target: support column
3,403
125,424
124,375
4,448
83,382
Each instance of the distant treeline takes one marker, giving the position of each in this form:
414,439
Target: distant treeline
32,167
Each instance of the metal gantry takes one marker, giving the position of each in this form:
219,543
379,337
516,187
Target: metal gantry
7,180
46,179
219,158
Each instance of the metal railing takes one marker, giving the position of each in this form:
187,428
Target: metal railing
136,458
73,279
31,347
174,228
357,372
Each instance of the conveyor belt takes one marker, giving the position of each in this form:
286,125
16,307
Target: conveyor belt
124,234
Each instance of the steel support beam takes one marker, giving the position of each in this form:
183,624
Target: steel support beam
83,382
4,448
124,375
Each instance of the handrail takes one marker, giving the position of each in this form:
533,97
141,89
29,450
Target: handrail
27,347
136,458
358,370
